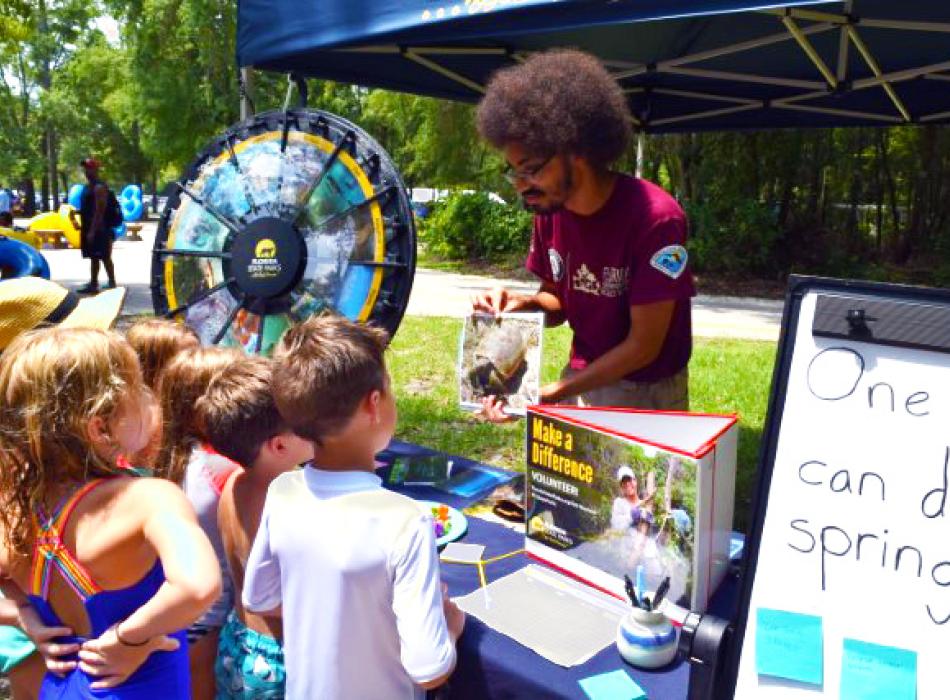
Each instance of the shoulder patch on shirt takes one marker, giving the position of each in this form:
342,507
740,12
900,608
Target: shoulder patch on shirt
670,260
557,264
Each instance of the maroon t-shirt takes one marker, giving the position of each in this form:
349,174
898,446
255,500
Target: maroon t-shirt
628,252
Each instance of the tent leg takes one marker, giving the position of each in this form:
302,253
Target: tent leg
641,148
246,88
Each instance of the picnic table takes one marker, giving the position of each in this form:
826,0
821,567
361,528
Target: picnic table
51,237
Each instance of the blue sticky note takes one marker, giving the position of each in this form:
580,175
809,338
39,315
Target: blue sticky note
789,645
616,685
875,672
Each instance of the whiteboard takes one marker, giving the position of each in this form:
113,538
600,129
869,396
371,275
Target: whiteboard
853,516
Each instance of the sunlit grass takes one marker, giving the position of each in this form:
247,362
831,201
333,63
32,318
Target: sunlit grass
726,376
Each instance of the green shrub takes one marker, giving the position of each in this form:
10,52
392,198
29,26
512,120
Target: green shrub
736,238
469,226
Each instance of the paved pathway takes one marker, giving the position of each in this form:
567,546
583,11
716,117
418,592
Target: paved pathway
434,293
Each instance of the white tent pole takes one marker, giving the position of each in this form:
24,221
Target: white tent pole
809,50
641,147
247,86
837,112
800,98
842,68
743,77
706,96
935,117
907,26
441,70
898,76
938,76
876,69
723,51
702,115
812,15
460,50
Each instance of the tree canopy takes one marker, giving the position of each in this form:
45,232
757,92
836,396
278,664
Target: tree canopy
867,201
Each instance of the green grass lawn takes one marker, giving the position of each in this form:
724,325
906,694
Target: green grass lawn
726,376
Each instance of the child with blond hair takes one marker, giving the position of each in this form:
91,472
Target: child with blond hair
352,566
239,418
156,341
118,562
186,459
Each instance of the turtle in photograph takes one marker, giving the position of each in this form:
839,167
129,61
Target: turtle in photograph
499,361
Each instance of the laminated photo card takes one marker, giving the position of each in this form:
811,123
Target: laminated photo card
500,356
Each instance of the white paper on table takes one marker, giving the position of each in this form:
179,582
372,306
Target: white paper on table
467,553
563,620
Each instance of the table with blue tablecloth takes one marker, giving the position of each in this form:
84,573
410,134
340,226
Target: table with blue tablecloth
492,665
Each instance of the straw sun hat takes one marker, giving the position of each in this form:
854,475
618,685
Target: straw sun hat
32,302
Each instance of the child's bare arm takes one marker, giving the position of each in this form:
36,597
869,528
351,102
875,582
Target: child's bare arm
192,583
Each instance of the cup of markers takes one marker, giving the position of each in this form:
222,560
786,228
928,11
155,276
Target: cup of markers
645,636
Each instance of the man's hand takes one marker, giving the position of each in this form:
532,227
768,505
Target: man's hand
113,662
551,393
493,410
493,301
497,300
43,636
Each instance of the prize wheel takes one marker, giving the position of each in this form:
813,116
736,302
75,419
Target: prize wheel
286,215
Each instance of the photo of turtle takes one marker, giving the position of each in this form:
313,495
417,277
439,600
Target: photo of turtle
501,356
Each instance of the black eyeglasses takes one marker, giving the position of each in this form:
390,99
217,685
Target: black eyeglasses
526,174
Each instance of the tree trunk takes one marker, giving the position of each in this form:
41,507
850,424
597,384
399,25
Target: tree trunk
46,82
29,194
52,160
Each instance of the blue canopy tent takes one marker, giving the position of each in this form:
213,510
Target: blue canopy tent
687,65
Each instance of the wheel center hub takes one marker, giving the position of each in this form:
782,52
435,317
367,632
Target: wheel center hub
267,258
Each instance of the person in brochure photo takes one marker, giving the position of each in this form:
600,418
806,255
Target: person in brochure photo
607,247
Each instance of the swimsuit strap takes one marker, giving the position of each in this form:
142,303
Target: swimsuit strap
49,549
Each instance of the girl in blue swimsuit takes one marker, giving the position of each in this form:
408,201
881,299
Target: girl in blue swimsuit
118,560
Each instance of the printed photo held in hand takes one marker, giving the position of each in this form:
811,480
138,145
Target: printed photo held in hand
500,358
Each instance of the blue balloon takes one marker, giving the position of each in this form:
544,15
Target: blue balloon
131,209
131,192
17,259
119,231
75,196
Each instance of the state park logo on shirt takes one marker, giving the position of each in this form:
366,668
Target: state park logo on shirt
670,260
557,264
614,281
585,281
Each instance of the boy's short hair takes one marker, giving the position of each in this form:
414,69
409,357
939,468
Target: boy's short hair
237,413
323,368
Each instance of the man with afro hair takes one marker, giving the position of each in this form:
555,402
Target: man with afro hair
607,247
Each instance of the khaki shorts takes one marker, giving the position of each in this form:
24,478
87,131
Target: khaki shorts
668,394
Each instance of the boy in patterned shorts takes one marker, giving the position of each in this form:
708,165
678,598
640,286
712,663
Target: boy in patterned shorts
240,420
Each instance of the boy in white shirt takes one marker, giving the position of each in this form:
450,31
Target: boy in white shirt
353,566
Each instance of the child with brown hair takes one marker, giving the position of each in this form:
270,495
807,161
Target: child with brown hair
156,341
352,566
239,418
186,459
119,562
